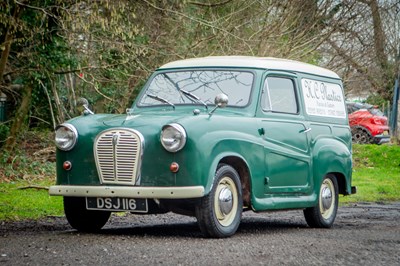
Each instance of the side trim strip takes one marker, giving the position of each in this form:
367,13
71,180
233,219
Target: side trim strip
128,192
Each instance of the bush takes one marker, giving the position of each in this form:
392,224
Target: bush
4,131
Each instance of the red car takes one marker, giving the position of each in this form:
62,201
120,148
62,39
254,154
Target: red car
368,124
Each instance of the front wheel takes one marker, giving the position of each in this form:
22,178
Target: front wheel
323,215
82,219
360,136
219,213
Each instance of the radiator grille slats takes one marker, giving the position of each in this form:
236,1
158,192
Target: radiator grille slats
118,155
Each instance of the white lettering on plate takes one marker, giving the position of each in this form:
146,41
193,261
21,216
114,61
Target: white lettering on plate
323,98
126,204
100,203
132,204
108,203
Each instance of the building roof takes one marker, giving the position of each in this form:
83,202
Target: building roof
252,62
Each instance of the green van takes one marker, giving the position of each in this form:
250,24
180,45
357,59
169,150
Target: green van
212,137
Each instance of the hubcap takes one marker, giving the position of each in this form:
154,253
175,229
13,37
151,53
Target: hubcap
225,200
326,198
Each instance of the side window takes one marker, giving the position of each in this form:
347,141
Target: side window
280,95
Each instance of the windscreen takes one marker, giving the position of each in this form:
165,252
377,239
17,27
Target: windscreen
198,87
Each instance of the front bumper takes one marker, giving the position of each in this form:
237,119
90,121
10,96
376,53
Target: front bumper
128,192
380,139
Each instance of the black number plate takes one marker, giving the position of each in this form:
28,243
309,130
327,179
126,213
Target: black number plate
117,204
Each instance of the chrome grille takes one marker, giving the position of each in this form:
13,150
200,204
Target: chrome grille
118,154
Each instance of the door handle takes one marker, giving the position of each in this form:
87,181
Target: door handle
305,130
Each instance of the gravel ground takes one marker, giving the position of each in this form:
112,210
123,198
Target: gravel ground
363,234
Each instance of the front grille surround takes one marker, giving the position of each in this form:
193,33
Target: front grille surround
118,155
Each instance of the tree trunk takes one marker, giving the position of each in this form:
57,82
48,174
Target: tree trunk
381,56
4,55
8,38
19,120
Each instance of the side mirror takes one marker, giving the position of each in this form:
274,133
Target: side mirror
221,100
82,105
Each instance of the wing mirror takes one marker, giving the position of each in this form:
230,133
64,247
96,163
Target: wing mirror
221,100
82,105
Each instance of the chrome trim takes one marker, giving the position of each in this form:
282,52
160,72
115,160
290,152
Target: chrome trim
128,192
326,197
381,139
73,129
114,140
225,199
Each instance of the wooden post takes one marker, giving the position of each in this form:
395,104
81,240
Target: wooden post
397,130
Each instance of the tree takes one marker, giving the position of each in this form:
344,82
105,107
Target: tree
364,46
31,53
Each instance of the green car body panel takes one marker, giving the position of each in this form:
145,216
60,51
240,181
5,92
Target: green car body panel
281,157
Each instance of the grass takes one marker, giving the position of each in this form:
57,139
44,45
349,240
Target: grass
17,202
376,174
24,177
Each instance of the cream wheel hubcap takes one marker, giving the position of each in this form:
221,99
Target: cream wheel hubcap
226,201
326,198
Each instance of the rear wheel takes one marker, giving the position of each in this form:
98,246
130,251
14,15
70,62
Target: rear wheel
323,215
219,213
82,219
361,136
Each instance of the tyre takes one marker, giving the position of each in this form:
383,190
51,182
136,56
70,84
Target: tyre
82,219
360,136
219,213
323,215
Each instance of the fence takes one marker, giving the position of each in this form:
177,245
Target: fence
3,101
394,118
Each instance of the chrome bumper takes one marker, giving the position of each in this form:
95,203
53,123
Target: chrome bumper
380,139
128,192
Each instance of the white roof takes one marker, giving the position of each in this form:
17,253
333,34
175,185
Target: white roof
252,62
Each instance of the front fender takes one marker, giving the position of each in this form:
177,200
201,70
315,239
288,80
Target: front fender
246,148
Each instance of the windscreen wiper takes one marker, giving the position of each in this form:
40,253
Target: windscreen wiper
155,97
190,95
194,97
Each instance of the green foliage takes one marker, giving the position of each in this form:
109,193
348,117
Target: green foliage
376,99
31,160
4,131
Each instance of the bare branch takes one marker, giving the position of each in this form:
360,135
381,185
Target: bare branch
36,8
353,63
206,23
209,4
34,187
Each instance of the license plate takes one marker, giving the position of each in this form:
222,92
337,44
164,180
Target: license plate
117,204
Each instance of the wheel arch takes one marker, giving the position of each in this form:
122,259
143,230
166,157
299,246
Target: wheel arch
241,167
333,157
363,128
341,180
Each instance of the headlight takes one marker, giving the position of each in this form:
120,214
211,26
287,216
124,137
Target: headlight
173,137
66,137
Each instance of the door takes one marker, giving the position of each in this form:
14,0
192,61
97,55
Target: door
286,140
